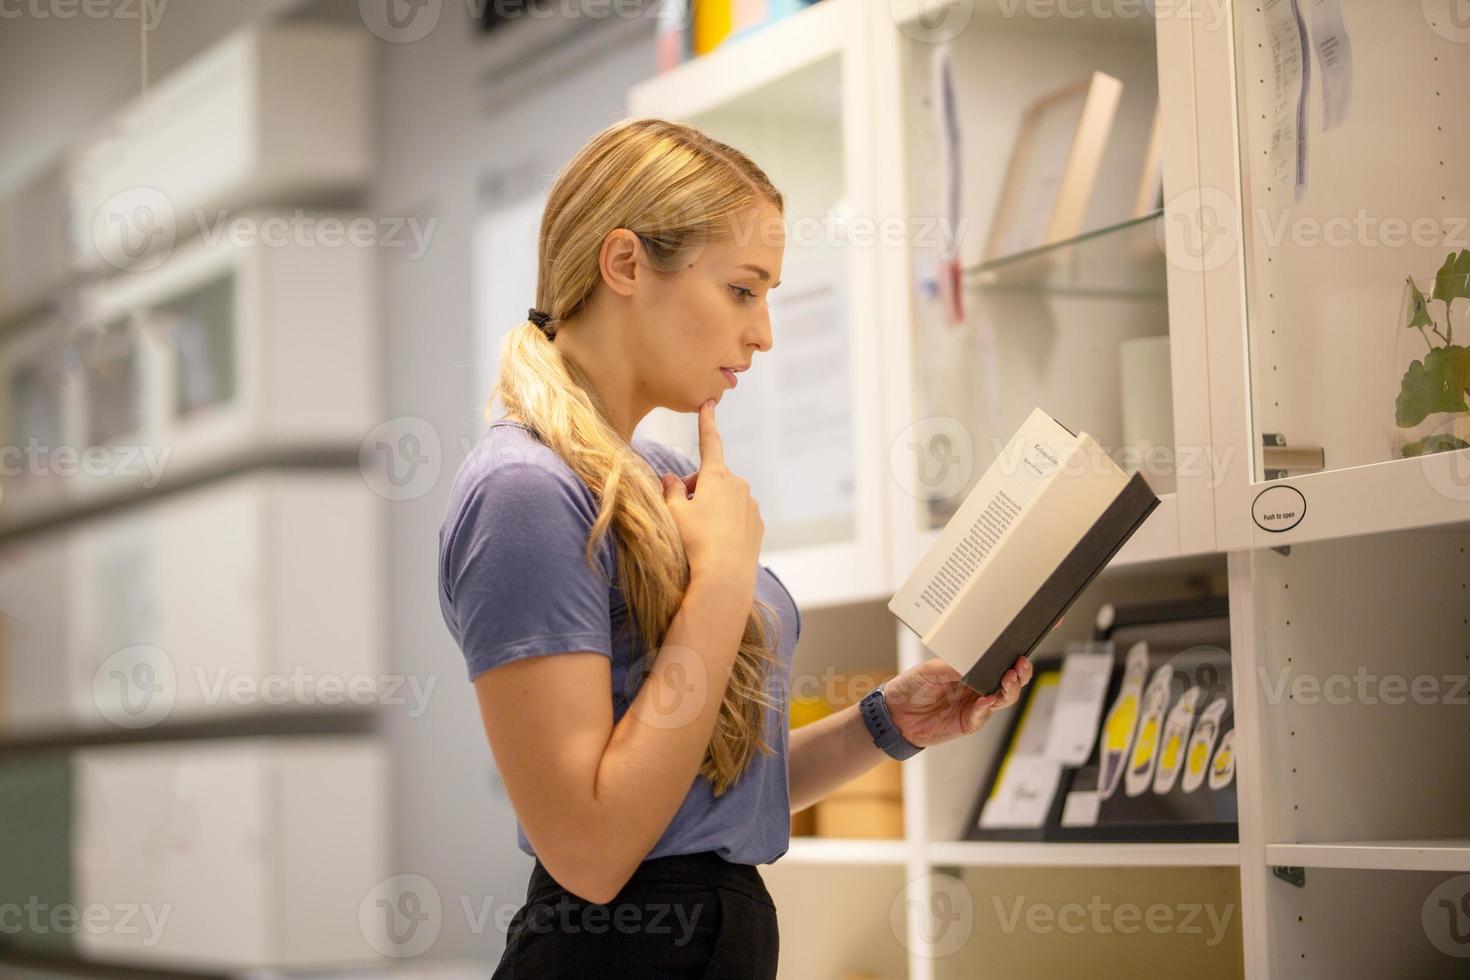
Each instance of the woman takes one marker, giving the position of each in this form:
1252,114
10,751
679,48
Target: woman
649,778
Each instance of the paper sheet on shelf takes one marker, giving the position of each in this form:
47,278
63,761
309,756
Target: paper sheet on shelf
951,176
1081,808
1024,795
1079,706
1028,780
1335,56
1286,33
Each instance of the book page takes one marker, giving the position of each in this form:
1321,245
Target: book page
976,529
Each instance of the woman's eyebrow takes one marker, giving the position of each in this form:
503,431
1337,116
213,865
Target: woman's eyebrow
759,271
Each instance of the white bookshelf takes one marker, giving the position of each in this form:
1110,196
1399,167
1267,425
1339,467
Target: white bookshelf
1352,816
1000,854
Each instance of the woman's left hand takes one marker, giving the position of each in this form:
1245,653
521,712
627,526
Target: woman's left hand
931,704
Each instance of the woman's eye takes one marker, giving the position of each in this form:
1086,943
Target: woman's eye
742,293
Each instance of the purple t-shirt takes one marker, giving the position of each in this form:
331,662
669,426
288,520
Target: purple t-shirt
514,582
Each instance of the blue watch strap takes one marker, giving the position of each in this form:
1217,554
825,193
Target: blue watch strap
874,709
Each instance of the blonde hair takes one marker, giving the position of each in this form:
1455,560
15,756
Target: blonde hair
677,189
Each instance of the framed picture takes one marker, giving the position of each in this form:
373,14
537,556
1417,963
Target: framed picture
1053,165
1161,766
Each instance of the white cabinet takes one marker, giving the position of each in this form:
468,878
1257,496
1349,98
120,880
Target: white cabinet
1319,208
233,853
34,257
802,423
1259,295
274,113
245,596
234,348
257,340
41,388
35,626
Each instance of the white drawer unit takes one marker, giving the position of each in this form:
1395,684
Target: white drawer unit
252,595
257,339
34,626
230,853
39,408
34,257
233,347
274,113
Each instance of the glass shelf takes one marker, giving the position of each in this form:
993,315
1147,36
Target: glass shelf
1123,259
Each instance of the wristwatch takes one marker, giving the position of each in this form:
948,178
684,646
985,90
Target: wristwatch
874,709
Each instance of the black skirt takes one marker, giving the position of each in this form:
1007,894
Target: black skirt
685,915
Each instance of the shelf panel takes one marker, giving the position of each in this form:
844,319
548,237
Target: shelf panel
63,510
734,74
1395,495
1120,260
1119,855
1098,18
845,850
1430,854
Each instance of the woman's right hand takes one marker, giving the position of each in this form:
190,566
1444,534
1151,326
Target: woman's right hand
720,523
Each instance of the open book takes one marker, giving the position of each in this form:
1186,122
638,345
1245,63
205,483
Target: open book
1046,517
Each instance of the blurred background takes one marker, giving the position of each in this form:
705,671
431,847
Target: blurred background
239,249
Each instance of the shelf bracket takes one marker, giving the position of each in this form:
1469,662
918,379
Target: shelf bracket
1290,874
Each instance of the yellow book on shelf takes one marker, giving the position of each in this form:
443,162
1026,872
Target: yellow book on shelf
713,20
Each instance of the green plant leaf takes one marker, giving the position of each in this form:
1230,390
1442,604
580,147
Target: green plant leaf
1421,317
1452,282
1435,384
1442,442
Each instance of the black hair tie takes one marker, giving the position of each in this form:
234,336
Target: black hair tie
541,319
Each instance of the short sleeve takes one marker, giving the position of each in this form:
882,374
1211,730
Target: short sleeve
514,571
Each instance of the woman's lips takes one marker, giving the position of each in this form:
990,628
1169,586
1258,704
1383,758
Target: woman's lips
729,376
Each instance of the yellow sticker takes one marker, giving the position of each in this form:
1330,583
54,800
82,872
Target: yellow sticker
1199,758
1120,726
1145,748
